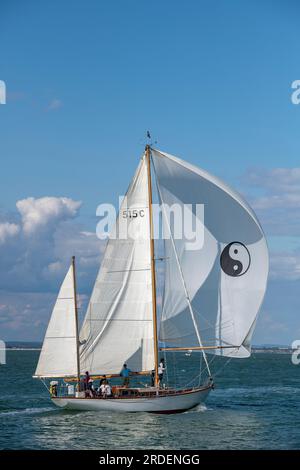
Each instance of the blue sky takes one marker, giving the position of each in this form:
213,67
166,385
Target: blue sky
85,80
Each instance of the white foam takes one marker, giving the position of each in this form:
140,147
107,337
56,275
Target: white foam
28,411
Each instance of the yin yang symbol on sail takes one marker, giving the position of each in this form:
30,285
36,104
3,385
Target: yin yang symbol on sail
235,259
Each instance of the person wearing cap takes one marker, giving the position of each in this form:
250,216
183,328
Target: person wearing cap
125,372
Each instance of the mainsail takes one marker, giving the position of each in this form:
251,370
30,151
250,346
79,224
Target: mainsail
118,326
58,357
224,279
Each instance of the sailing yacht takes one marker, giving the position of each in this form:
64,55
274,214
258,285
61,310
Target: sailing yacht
212,293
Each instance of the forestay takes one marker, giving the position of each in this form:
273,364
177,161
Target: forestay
118,326
58,354
225,278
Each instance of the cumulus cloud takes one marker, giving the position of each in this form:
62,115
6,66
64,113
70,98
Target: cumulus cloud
36,245
41,212
8,230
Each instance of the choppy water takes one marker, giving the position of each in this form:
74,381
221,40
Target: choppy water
256,405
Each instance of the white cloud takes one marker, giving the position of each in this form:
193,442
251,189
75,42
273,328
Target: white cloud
278,201
282,180
55,267
54,104
275,196
281,187
285,265
271,324
272,328
8,230
36,250
39,213
25,315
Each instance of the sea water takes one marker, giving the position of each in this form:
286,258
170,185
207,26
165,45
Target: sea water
255,405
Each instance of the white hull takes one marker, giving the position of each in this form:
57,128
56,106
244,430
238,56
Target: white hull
159,404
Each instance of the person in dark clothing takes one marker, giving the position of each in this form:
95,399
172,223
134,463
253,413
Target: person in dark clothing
103,380
86,380
91,390
152,378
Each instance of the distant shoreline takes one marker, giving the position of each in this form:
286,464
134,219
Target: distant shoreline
272,351
256,348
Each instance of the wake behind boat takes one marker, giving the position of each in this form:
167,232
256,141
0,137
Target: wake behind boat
212,292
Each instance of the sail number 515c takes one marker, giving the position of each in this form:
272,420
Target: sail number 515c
133,213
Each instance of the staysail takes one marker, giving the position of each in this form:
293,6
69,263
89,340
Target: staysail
59,353
118,326
223,273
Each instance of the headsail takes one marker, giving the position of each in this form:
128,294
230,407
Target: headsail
225,278
58,354
118,324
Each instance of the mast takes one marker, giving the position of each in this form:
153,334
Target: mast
76,320
154,309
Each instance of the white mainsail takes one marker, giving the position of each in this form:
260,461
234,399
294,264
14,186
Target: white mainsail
225,278
58,357
118,326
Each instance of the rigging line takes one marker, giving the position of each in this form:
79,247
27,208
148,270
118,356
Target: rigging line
45,385
167,374
181,275
210,325
213,358
200,369
174,370
193,380
223,366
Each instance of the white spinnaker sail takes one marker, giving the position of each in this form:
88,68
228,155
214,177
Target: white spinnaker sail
118,326
225,278
58,356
